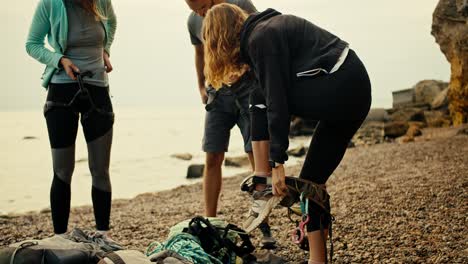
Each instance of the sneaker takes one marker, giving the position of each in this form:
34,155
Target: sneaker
105,242
263,202
247,185
268,241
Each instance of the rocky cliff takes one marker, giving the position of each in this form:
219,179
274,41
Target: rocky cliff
450,29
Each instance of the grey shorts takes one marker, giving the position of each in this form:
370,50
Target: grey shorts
223,112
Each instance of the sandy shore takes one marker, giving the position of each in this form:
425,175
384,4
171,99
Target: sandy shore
393,204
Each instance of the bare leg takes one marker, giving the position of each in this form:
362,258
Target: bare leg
252,160
212,182
316,246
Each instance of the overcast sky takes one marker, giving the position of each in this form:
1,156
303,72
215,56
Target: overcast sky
153,57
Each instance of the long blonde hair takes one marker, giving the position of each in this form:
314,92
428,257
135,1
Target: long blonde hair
221,32
91,7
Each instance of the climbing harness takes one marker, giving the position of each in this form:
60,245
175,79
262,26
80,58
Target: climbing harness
240,89
303,191
82,94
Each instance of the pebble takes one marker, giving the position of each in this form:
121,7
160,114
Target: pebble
377,202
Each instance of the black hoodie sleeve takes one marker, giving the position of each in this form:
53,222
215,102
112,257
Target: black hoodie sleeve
270,57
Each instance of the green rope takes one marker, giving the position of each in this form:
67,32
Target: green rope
185,245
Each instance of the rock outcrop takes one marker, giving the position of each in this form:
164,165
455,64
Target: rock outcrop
425,105
298,151
440,101
195,171
450,29
182,156
426,91
302,127
239,161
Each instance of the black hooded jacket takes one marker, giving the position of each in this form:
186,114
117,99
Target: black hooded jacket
277,47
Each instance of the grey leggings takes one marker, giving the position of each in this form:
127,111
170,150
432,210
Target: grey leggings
62,125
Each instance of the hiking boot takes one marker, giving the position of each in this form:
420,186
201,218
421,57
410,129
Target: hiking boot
263,202
268,241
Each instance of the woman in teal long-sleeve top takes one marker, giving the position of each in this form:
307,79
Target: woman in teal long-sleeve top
50,20
80,33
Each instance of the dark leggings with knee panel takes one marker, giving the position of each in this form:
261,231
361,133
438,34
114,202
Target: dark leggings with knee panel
62,125
340,101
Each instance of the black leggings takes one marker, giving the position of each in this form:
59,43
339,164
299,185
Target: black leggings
62,126
340,101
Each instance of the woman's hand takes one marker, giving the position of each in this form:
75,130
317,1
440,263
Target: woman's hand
279,184
69,67
107,62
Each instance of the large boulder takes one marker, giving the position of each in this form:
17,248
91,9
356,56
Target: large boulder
440,101
371,132
395,129
463,130
377,115
403,98
182,156
297,151
195,171
240,161
417,124
449,27
413,131
407,114
404,139
302,126
426,91
436,119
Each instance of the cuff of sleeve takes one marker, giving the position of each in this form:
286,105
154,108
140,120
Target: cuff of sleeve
107,50
56,60
278,158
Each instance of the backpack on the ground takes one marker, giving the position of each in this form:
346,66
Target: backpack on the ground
53,250
77,246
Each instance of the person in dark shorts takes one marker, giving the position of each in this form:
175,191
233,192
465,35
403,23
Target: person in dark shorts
81,33
303,70
225,109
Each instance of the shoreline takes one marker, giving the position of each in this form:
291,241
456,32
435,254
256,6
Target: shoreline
392,203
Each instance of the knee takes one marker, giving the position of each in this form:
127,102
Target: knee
64,173
101,178
214,160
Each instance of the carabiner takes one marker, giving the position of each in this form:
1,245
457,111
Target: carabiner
298,233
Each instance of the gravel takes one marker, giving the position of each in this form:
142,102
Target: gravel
393,203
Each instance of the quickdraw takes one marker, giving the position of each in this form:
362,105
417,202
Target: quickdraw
298,234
